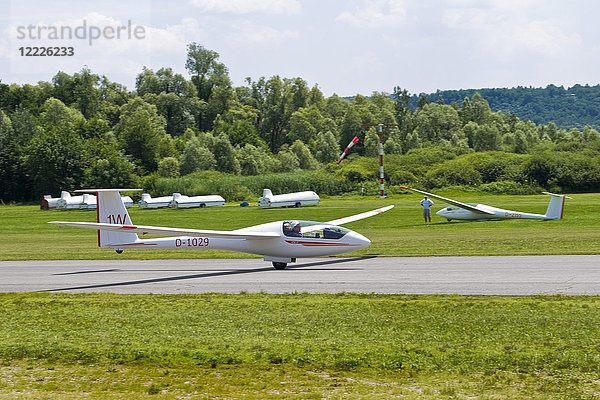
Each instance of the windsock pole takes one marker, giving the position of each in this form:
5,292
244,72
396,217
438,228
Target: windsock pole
381,193
352,142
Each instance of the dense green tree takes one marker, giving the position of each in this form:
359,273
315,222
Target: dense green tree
288,159
174,109
140,131
56,114
201,63
13,179
539,169
169,167
254,160
87,95
452,172
393,144
239,133
437,122
336,108
277,100
305,158
306,123
93,128
422,102
315,98
212,83
402,112
109,169
486,137
147,82
327,147
225,155
371,144
64,87
576,106
480,109
113,97
117,133
352,126
196,157
56,160
24,126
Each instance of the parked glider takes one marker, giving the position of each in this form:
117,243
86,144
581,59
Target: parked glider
482,212
280,242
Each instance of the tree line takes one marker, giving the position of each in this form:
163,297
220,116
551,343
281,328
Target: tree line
571,107
83,130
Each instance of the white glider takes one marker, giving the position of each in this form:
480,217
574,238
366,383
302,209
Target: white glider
482,212
296,199
280,242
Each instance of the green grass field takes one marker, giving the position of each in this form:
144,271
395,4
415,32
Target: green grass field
24,233
259,346
298,346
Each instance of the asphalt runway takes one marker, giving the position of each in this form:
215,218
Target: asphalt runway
513,275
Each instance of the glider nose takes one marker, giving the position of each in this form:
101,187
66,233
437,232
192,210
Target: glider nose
359,241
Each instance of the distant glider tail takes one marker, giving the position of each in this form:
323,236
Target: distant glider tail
111,210
556,206
267,193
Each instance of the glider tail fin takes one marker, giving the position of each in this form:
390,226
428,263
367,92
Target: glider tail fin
111,210
267,193
556,206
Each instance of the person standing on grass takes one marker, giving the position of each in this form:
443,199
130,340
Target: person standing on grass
426,203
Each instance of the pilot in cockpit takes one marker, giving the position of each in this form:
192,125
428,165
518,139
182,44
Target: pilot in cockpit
292,228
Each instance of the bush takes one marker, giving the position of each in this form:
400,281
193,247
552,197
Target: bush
168,167
453,172
234,187
510,187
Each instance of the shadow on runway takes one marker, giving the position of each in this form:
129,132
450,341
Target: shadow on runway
88,272
335,261
203,275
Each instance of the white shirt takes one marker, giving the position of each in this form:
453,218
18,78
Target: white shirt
426,203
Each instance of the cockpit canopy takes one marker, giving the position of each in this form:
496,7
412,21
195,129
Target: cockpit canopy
455,208
313,230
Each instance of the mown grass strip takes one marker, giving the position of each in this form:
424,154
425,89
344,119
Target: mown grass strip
25,233
429,333
380,345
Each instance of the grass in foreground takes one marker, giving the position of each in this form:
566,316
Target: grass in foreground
298,346
25,233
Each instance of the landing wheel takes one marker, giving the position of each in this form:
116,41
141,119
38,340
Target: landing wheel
119,251
202,205
298,204
279,265
449,219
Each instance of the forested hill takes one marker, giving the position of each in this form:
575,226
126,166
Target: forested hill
174,132
574,107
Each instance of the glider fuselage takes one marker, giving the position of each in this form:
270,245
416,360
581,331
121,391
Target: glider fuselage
328,240
487,213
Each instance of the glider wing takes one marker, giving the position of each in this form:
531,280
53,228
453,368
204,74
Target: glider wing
345,220
157,230
453,202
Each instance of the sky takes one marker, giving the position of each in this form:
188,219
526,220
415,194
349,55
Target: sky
346,47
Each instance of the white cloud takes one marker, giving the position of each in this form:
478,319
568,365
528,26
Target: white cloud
115,57
543,38
376,14
248,6
244,33
464,18
505,29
